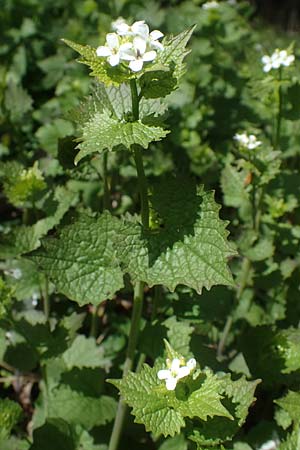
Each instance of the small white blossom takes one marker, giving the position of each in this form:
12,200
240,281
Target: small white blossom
175,372
117,23
8,335
248,141
139,28
210,5
138,54
269,445
277,59
113,49
34,299
133,44
16,273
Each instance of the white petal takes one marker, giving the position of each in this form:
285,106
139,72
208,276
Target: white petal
140,28
103,51
183,372
191,364
157,45
139,45
266,59
171,384
136,65
267,68
163,374
149,56
128,54
156,34
112,40
114,60
115,25
175,365
123,29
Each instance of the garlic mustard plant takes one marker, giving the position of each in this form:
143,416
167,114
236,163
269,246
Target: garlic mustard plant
247,141
131,44
278,59
176,370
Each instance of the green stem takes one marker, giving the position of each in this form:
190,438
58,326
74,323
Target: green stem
46,300
132,341
139,287
106,194
279,112
94,321
244,280
142,181
138,158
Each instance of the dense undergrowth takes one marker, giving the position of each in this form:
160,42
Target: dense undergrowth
122,270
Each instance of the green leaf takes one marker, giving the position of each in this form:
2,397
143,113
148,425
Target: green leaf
288,346
241,393
117,102
239,396
291,404
50,133
191,248
175,443
233,187
17,101
163,77
24,238
99,67
5,299
10,414
164,412
104,132
79,409
23,186
292,441
179,335
84,353
55,433
82,260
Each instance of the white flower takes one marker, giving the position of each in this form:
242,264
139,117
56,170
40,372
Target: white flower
210,5
132,43
277,59
117,23
250,142
16,273
138,54
175,372
269,445
113,49
139,28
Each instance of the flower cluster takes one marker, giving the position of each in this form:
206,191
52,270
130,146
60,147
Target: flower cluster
210,5
247,141
132,44
176,370
277,59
